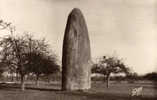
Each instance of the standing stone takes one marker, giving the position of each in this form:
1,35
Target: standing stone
76,59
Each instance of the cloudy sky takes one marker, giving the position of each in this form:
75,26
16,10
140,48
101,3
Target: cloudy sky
125,28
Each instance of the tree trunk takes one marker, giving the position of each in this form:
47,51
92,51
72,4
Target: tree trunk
37,80
12,77
17,76
48,78
22,82
108,81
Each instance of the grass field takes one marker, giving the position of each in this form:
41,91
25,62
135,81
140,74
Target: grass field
117,91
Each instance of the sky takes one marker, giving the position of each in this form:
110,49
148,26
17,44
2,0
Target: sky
125,28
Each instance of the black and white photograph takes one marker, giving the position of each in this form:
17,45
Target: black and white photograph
78,49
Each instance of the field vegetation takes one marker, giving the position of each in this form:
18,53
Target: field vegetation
99,91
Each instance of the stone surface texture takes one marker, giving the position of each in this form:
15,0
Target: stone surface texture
76,59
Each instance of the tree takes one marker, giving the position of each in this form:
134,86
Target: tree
108,65
14,55
51,66
43,65
151,76
4,66
13,51
24,54
41,60
132,76
2,69
4,25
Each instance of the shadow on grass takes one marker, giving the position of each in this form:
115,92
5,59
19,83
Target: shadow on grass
5,86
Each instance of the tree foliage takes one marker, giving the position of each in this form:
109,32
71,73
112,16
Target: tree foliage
24,54
151,76
109,65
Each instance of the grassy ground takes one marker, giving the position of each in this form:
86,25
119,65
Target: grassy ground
117,91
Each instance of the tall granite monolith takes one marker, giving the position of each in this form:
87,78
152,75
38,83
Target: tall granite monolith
76,59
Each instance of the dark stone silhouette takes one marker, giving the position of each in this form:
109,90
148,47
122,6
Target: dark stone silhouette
76,59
